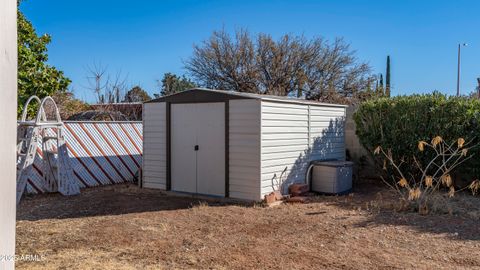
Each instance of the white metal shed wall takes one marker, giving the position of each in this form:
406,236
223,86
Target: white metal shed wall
244,144
265,139
295,134
327,132
154,145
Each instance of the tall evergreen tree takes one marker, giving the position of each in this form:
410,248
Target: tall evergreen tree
380,87
387,78
171,84
136,94
478,88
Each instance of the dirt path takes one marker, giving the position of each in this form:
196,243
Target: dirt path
128,228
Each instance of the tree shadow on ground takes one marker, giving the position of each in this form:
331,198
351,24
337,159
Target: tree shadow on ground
380,203
373,197
326,144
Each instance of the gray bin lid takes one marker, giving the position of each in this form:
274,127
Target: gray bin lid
334,163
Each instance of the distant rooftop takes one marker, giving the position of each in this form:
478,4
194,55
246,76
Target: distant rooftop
117,104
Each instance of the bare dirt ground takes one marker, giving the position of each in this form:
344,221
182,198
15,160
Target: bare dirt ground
124,227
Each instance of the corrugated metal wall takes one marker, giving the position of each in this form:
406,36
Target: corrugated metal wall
244,139
101,153
295,134
155,154
266,138
245,149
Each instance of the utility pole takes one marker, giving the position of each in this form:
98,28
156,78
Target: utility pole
458,67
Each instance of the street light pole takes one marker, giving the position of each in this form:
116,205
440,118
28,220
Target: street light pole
458,67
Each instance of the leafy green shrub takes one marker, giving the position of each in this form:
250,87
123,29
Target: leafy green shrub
399,123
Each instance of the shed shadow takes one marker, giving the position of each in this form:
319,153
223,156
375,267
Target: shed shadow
111,200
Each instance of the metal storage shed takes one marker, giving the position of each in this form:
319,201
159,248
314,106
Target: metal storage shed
237,145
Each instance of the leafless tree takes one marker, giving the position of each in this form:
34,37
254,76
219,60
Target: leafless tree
223,63
107,88
293,65
97,79
116,88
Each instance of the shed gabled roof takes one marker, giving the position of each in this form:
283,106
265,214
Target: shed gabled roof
211,95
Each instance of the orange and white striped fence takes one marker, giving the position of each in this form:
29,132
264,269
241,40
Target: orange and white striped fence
101,153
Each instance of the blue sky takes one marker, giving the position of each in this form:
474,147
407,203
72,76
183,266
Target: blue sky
145,39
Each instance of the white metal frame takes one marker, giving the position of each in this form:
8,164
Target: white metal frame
58,173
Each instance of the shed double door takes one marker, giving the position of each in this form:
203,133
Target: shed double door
198,148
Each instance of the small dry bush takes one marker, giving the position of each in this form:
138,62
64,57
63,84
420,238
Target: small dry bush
200,205
432,188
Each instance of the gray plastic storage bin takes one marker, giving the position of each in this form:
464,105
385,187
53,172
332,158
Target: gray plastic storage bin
332,177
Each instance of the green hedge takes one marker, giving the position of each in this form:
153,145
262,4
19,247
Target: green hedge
399,123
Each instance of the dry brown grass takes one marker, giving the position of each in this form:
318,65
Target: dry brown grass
124,227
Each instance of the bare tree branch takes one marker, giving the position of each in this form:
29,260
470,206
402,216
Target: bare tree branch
292,65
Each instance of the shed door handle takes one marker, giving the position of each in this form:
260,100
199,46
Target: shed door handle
196,147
